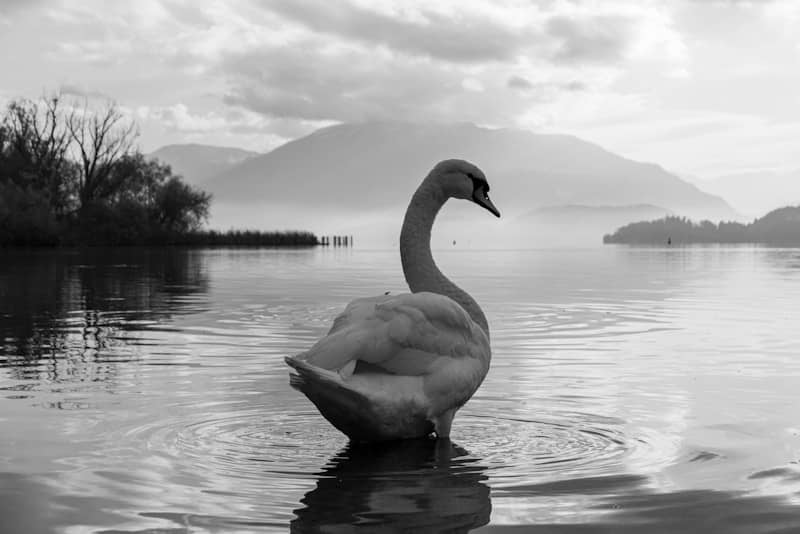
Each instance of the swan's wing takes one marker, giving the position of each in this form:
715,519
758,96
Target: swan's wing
357,310
409,334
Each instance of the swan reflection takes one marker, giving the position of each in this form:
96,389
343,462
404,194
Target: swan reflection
424,484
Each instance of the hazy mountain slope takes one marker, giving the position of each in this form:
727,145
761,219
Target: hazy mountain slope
197,163
756,193
371,166
578,224
572,213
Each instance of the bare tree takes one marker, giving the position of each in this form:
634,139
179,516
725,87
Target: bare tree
100,138
39,140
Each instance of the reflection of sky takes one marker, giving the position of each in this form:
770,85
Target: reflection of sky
636,370
663,343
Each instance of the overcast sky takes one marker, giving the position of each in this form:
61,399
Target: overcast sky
701,87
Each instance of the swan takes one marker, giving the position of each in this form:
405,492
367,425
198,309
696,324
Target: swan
399,366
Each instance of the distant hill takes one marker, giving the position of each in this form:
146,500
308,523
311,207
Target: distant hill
756,193
355,169
778,227
197,163
579,225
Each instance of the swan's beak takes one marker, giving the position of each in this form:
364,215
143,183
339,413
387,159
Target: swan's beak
482,199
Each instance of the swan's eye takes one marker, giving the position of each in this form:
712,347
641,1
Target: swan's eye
478,184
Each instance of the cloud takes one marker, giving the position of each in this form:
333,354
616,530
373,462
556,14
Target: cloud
355,84
463,36
280,69
590,39
348,62
310,61
523,85
250,128
734,2
179,118
9,6
82,91
518,82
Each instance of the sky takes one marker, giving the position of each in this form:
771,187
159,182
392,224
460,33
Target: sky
704,88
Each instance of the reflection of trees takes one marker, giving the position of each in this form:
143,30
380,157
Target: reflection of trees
76,305
424,485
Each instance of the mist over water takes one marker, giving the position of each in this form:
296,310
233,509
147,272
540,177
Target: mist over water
457,221
631,389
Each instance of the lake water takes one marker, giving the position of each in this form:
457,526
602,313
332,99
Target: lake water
631,390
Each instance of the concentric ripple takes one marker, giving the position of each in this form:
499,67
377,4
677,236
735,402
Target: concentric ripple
515,448
246,442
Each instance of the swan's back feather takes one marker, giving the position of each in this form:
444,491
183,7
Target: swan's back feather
395,366
358,310
410,334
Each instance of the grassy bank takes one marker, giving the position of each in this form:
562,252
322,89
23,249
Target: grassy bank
246,238
198,238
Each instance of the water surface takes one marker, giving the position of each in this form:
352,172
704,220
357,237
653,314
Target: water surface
631,390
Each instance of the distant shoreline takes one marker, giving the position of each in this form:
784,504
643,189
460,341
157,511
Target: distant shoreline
200,238
780,227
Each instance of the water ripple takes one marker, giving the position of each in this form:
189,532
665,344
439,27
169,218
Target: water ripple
147,390
516,448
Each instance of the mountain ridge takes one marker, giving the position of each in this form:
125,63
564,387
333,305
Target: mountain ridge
197,162
774,189
377,165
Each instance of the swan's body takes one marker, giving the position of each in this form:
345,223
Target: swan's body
399,366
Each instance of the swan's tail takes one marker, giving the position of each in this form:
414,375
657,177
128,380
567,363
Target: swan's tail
341,405
361,415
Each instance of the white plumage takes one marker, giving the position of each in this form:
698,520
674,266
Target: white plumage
399,366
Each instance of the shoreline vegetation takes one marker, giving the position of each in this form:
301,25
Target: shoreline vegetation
70,175
246,238
778,227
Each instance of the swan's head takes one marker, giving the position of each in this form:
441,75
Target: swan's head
462,179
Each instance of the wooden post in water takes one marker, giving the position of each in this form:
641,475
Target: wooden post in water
337,241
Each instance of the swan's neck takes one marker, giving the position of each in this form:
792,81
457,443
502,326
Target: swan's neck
420,270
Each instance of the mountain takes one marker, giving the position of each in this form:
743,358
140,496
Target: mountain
756,193
197,163
351,176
